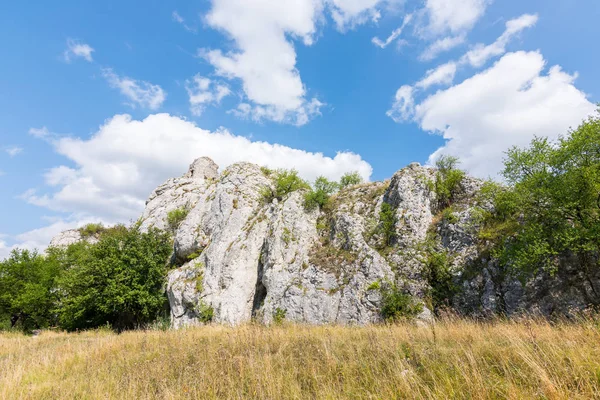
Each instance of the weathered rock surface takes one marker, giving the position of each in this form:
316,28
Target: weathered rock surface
69,237
242,258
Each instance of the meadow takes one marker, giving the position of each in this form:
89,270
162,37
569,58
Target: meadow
455,358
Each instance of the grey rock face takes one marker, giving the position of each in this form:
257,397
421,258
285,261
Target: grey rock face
243,258
69,237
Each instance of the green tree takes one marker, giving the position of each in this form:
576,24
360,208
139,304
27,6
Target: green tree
552,202
387,223
117,281
320,194
285,182
447,180
28,290
350,178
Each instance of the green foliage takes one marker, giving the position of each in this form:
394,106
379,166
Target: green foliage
117,281
396,305
387,223
287,235
266,171
449,216
91,230
320,194
28,290
205,311
552,206
374,286
438,275
447,180
176,217
350,178
285,182
279,316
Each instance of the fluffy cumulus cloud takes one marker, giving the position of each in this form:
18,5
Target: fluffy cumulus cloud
138,93
453,16
118,167
76,48
403,106
263,56
508,104
203,91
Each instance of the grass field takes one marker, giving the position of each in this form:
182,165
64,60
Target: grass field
455,359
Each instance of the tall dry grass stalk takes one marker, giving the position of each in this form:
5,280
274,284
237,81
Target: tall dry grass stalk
461,359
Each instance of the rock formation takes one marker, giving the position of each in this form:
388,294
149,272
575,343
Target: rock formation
240,258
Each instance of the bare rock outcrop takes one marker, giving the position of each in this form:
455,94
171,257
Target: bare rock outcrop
239,257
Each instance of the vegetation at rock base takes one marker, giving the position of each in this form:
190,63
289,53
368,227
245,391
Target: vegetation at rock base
397,305
279,316
455,359
176,217
551,205
117,281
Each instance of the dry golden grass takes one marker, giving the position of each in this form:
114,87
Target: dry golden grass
456,359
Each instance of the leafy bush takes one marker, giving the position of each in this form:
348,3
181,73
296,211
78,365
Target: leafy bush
285,182
447,180
387,223
449,216
398,306
117,281
206,312
439,278
91,230
279,316
349,179
176,217
320,194
28,290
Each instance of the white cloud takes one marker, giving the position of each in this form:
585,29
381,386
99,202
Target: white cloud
142,93
403,106
441,46
179,19
442,75
394,35
506,105
203,91
75,48
13,150
264,58
119,166
40,133
453,16
350,13
480,54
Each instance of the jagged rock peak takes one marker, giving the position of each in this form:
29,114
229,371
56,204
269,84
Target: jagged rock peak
203,168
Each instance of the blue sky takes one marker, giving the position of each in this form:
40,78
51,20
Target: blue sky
102,101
